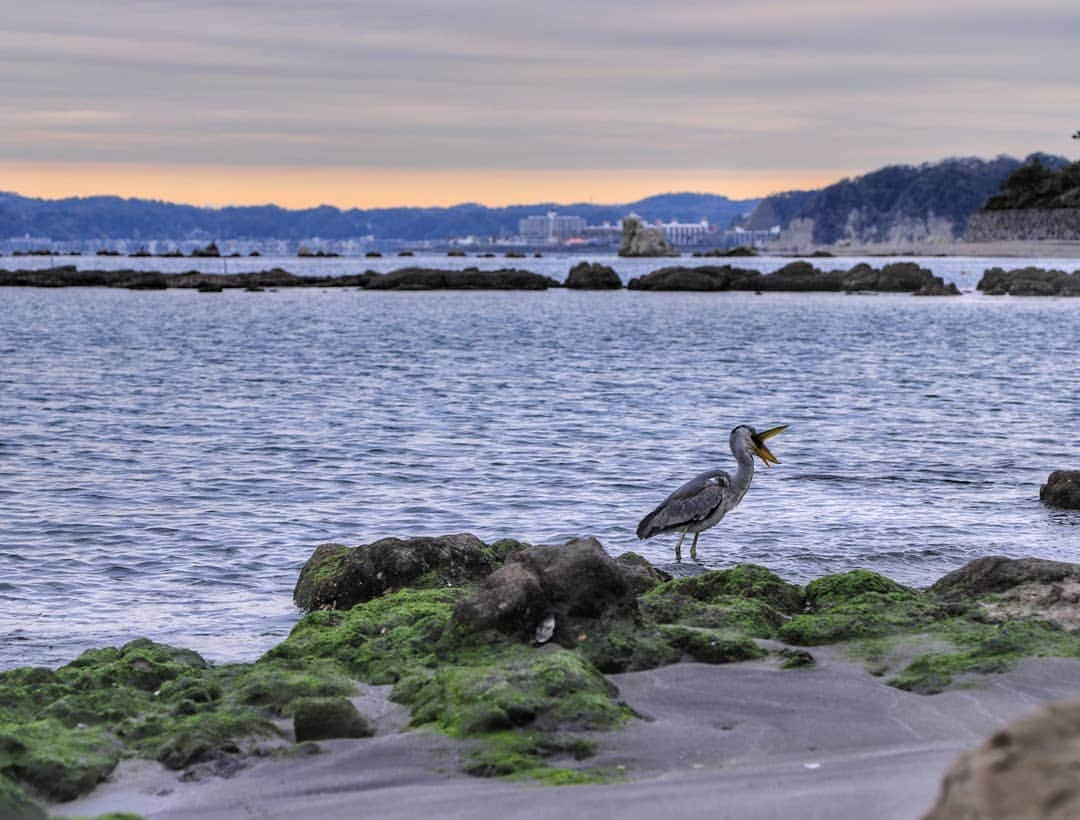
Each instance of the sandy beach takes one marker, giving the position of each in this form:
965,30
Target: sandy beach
738,741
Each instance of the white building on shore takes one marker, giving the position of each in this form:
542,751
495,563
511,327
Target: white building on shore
550,229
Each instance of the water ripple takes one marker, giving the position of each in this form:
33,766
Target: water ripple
168,461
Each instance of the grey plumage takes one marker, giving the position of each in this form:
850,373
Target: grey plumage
701,502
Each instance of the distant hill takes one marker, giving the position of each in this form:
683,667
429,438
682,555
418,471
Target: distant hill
109,217
896,203
1039,185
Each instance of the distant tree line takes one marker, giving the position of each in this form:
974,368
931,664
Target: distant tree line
1035,185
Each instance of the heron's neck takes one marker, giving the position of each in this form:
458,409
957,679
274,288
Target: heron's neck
744,473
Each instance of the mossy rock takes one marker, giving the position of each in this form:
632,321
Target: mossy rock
858,604
15,805
339,577
274,685
544,689
326,718
526,755
624,646
796,659
751,616
59,762
742,581
712,646
140,664
185,740
380,640
844,587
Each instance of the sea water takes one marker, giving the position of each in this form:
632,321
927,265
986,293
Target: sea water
168,460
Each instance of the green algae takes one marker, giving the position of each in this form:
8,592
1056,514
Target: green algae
531,756
796,659
744,581
549,689
59,762
325,718
858,604
983,649
16,805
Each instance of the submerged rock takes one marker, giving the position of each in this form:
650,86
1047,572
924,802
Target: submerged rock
592,276
467,279
1062,489
1026,771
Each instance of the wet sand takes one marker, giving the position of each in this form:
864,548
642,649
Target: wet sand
744,741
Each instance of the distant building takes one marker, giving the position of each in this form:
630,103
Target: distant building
550,229
685,233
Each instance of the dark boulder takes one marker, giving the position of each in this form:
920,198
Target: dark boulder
1062,489
592,276
1029,282
705,277
467,279
1026,771
338,577
995,573
573,581
326,718
795,276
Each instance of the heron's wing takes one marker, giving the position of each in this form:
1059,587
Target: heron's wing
694,501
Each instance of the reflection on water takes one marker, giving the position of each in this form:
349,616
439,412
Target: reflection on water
169,460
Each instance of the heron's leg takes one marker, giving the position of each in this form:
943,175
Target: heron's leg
678,546
693,547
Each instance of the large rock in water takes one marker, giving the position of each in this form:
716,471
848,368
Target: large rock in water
338,577
577,580
467,279
1029,282
1062,489
1026,771
640,240
703,277
592,276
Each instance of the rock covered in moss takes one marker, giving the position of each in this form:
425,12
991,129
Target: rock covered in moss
59,762
1062,489
326,718
857,604
996,573
338,577
1026,771
575,580
15,805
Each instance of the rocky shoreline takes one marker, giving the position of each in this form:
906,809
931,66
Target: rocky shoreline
506,649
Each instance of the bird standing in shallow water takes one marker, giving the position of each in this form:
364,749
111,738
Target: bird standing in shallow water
702,501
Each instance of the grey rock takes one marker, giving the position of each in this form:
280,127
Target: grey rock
1062,489
995,573
1026,771
467,279
641,240
592,276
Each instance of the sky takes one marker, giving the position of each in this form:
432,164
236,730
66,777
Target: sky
432,102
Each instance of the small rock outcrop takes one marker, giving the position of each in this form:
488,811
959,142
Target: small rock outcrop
1026,771
995,573
338,577
467,279
1029,282
592,276
327,718
1062,489
705,277
575,580
640,240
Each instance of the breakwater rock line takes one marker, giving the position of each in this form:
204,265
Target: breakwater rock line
899,277
1029,282
801,276
509,645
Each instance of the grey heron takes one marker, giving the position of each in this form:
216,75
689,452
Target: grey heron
702,501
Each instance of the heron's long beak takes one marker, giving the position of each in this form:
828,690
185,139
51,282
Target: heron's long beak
764,453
